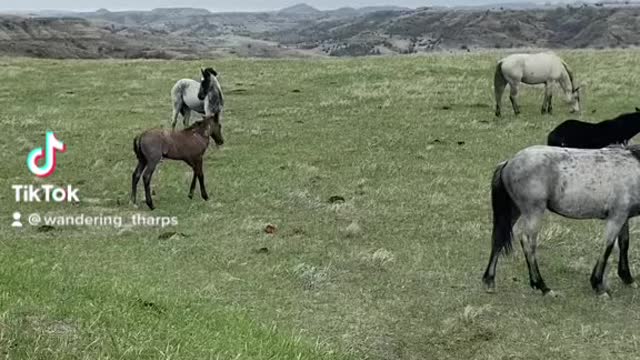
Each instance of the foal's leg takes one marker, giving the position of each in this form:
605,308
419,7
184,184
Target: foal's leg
192,163
193,183
530,226
598,276
148,173
135,178
200,173
513,87
623,264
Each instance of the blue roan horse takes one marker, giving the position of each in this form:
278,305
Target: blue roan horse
574,183
204,97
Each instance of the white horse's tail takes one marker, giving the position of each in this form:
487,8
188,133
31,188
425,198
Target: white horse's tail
499,81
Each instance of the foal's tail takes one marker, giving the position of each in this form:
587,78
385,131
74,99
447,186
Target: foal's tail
504,212
137,149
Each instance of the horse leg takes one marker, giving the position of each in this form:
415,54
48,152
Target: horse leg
193,179
598,276
530,227
135,178
499,90
177,110
623,264
193,184
186,116
200,173
545,101
548,95
512,96
148,173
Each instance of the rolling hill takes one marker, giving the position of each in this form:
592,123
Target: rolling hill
302,30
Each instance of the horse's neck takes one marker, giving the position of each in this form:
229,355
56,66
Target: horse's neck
207,128
201,135
565,83
631,124
214,101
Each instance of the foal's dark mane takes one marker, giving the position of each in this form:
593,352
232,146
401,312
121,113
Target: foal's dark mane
199,126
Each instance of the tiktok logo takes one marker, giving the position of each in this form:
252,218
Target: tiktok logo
52,146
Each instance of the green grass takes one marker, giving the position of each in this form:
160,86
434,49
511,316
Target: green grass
393,273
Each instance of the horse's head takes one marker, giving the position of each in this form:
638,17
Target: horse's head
205,82
574,100
216,128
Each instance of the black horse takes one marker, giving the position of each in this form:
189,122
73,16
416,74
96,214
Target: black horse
584,135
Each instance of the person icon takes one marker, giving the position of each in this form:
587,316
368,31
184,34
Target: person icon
16,220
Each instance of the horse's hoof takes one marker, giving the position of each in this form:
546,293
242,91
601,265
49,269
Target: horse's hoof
489,288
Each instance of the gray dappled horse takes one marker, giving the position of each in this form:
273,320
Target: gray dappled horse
574,183
204,97
532,69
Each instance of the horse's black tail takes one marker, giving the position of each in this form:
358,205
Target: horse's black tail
504,211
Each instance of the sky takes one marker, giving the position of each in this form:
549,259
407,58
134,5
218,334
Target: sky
217,5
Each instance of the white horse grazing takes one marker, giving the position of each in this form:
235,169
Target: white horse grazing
541,68
204,97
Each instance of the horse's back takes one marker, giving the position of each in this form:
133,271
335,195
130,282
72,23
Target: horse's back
187,91
533,68
577,183
575,133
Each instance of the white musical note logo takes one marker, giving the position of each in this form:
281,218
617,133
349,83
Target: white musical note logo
52,145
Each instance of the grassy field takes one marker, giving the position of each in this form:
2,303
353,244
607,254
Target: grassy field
391,273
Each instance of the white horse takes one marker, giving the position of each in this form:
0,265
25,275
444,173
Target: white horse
204,97
541,68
